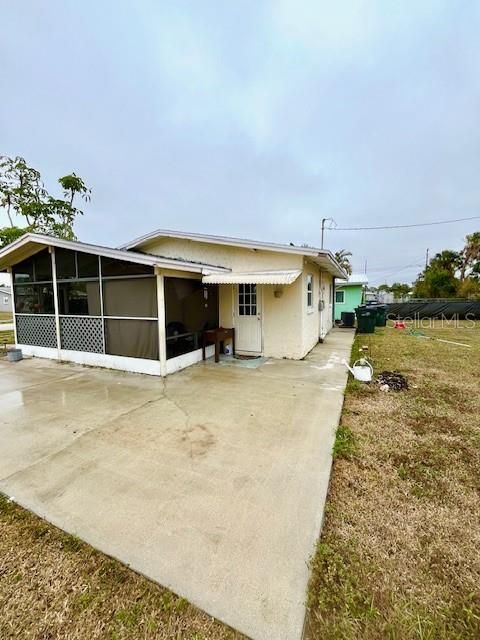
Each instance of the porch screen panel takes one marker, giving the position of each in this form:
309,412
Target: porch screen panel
132,338
34,298
33,285
130,297
79,298
115,268
66,265
190,308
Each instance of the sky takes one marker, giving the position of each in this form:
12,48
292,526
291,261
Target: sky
254,119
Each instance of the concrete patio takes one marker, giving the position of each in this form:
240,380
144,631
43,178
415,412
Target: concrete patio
211,482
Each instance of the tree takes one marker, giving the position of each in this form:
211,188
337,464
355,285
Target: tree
439,278
398,289
447,260
470,255
72,185
342,257
23,196
470,288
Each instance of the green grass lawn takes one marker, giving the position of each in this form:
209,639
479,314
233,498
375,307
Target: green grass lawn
399,556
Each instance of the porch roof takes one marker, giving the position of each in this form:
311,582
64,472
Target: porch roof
253,277
30,243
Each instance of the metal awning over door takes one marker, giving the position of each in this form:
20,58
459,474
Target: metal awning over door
287,276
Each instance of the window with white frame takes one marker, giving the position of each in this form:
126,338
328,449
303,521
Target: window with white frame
309,291
5,300
340,297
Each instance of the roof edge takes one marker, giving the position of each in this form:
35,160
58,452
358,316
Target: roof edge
237,242
225,240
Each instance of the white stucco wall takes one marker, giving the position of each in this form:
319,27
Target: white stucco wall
282,321
234,258
316,322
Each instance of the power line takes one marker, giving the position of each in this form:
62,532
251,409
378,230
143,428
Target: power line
389,268
391,273
403,226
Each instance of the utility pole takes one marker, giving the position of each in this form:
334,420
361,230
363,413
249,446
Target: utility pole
324,220
426,258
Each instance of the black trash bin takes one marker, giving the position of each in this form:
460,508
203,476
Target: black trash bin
347,318
366,319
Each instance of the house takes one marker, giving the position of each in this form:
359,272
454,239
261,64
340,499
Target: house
350,293
143,307
5,299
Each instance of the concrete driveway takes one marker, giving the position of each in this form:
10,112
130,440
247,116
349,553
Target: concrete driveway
211,482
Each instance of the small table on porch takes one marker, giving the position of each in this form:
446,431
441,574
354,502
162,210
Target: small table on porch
217,336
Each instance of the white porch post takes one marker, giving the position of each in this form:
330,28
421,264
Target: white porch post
10,271
162,336
55,301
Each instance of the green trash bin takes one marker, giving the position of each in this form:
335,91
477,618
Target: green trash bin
366,319
380,313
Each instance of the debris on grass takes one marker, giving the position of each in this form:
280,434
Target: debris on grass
392,381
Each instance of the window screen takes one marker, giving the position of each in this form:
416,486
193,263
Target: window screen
79,298
131,297
132,338
340,297
247,299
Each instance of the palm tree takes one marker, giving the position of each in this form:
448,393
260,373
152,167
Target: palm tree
342,257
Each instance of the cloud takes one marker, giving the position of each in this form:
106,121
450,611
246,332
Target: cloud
256,118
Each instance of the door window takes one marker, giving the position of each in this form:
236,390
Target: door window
247,299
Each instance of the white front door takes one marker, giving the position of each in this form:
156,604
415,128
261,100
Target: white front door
248,325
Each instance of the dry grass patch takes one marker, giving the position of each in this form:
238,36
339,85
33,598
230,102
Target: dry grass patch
6,338
53,586
399,554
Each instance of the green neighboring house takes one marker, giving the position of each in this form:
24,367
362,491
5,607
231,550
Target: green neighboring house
349,294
